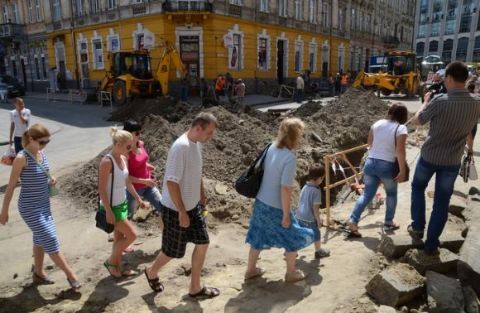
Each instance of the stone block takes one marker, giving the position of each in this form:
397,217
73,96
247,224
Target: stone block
386,309
396,246
445,262
397,285
445,294
457,206
472,305
468,268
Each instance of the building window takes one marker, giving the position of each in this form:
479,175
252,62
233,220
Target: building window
31,13
447,50
326,15
282,8
97,54
435,29
57,10
462,49
236,2
476,50
465,23
341,56
94,6
37,68
44,67
420,48
450,27
422,30
14,68
79,8
262,53
341,19
298,9
433,46
113,43
312,11
16,18
298,56
312,57
353,20
235,53
38,11
6,19
112,4
264,6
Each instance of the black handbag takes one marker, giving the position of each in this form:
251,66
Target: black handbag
396,169
248,184
101,216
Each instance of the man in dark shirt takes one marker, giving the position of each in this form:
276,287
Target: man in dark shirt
452,117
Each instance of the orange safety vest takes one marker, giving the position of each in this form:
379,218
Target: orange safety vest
220,83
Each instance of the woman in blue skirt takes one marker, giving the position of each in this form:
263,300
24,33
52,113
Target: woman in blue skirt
272,224
31,165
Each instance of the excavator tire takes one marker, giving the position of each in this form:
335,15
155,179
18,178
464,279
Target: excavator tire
119,92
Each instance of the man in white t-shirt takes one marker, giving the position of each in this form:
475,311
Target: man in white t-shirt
183,201
19,118
300,86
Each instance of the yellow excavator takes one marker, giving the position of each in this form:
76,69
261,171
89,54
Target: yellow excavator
131,74
401,76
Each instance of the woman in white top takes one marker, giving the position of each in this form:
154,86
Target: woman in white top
117,211
386,140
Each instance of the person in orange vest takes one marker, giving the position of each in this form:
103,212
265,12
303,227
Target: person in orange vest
344,82
220,86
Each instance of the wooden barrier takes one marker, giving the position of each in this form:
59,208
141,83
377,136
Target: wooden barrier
328,159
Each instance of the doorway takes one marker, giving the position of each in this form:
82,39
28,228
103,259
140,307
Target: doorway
280,61
190,54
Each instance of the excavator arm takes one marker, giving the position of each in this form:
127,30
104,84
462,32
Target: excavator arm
170,55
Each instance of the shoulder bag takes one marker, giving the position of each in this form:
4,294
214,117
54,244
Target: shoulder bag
396,169
248,184
101,216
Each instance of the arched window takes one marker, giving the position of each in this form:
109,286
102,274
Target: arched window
433,46
476,50
462,49
420,48
447,50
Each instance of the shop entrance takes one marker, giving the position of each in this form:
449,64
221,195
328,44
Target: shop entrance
281,61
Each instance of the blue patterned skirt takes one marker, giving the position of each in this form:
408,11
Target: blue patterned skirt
266,230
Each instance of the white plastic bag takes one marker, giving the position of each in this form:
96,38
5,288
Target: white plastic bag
9,155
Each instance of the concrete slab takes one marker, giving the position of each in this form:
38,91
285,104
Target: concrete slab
445,294
445,262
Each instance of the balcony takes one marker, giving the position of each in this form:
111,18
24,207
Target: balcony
10,30
185,5
235,10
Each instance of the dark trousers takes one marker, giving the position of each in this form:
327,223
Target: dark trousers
17,141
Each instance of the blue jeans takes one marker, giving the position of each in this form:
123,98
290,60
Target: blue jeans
152,195
444,183
375,172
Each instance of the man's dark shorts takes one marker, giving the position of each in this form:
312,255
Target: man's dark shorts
175,238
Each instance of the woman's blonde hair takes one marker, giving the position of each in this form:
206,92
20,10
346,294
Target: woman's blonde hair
120,136
36,131
289,133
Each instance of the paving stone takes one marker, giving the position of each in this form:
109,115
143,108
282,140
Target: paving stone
457,206
468,268
396,246
445,294
472,305
386,309
397,285
445,262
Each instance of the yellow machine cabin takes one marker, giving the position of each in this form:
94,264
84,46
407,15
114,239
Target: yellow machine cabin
401,76
131,74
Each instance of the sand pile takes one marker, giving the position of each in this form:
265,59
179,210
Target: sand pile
243,132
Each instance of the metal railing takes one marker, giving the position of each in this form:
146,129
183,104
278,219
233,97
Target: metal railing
185,5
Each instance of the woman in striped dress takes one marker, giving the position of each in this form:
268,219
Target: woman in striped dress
31,165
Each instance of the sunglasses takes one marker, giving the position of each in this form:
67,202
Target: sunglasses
42,142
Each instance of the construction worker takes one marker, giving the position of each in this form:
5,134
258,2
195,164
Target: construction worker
220,86
344,82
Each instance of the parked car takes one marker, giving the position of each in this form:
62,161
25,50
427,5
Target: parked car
15,88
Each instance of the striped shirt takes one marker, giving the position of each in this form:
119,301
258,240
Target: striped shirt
452,117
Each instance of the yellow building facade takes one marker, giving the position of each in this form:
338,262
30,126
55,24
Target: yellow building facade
209,44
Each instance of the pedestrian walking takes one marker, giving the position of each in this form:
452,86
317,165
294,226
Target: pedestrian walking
387,139
240,91
452,117
141,171
183,202
272,224
31,165
20,118
344,83
113,182
299,88
338,86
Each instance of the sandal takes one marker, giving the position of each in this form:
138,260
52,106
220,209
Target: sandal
206,293
39,280
128,249
350,232
108,266
129,273
294,277
257,273
390,227
75,284
154,283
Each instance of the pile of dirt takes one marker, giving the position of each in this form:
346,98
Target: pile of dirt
242,133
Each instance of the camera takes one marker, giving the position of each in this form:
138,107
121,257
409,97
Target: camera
436,89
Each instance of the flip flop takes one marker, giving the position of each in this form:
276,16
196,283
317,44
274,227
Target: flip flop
154,283
39,280
205,293
351,233
74,284
108,266
128,273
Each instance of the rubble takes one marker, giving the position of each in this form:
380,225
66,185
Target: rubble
445,294
445,262
397,285
472,305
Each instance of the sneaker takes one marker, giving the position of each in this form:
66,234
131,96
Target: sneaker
415,234
298,275
322,253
